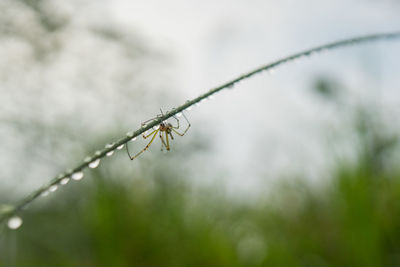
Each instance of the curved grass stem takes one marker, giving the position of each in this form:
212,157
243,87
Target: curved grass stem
102,153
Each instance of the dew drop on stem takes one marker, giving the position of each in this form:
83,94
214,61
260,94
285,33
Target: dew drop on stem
109,145
53,188
14,222
64,181
94,164
77,176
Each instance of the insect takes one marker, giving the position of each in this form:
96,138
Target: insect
164,130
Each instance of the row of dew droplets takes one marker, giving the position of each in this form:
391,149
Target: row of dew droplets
76,175
15,222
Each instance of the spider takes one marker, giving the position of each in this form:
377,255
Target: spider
164,129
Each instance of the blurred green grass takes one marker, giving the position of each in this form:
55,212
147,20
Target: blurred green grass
163,221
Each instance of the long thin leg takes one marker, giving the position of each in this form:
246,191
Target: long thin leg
144,149
177,121
166,136
163,141
182,134
146,136
145,122
152,119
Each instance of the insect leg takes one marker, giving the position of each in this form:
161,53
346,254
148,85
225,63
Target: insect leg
182,134
166,136
144,149
145,136
162,140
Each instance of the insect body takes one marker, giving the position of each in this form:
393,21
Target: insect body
164,130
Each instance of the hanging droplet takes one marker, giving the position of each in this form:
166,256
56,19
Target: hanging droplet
110,153
14,222
120,147
179,114
45,193
64,181
53,188
210,97
77,176
109,145
130,134
97,153
88,159
94,164
189,109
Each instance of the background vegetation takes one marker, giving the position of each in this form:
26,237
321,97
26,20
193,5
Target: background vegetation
159,219
89,81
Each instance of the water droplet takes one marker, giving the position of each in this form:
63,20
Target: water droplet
210,97
110,153
97,153
88,159
130,134
94,164
45,193
77,176
133,139
53,188
179,114
189,109
198,104
64,181
109,146
120,147
14,222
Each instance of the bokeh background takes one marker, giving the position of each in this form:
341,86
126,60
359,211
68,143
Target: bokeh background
295,168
